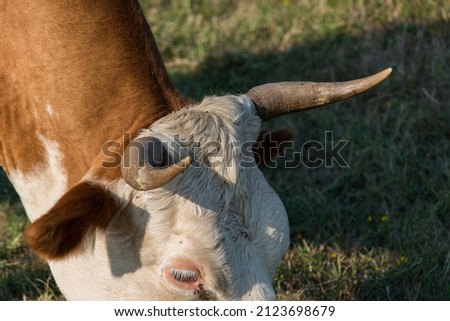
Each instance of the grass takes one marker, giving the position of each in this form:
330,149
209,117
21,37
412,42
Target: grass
377,230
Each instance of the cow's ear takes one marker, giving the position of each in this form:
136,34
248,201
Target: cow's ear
270,144
85,208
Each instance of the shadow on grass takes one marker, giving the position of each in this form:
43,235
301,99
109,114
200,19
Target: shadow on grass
395,195
7,192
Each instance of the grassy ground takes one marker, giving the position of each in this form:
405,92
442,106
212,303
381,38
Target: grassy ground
377,230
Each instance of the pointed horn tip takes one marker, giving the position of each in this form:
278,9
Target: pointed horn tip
382,75
371,81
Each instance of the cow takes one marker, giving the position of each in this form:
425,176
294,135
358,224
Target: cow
111,165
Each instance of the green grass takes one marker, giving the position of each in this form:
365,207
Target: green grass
378,230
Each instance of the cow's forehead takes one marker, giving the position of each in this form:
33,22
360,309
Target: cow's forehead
230,111
224,120
217,133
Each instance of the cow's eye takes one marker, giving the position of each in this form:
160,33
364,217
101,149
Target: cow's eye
184,275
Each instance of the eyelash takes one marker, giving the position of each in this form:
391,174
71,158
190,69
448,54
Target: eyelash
184,275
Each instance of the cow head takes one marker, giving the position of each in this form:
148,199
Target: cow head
188,214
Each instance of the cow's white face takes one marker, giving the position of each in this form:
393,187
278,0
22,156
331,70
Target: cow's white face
216,231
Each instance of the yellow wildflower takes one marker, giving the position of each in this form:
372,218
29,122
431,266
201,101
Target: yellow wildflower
401,260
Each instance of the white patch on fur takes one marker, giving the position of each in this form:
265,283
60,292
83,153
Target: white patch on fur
41,188
49,109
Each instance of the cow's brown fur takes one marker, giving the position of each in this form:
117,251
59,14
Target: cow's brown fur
95,62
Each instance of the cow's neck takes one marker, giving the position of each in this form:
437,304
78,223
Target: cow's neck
72,77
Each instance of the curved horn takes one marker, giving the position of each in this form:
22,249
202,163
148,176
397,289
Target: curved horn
143,161
276,99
